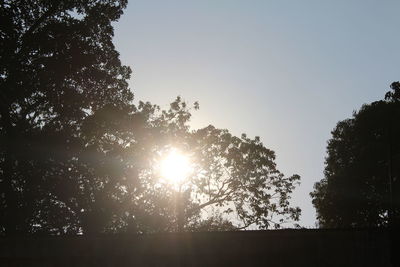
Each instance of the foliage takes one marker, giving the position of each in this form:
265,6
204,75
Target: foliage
58,71
394,95
362,153
234,179
77,156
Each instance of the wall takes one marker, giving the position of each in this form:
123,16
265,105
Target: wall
244,248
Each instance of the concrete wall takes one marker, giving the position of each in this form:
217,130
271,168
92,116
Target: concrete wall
245,248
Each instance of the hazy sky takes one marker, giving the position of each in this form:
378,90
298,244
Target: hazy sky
286,71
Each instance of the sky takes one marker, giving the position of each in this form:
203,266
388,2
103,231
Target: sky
286,71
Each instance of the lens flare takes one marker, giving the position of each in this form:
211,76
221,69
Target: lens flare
175,167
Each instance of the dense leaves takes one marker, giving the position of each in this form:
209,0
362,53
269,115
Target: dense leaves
58,70
363,154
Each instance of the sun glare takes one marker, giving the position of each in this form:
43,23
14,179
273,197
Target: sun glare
175,167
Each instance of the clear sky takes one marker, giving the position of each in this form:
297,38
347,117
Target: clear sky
286,71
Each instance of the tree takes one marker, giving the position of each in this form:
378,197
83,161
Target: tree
361,187
234,183
58,69
78,157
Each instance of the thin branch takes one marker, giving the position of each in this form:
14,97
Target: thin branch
246,225
215,200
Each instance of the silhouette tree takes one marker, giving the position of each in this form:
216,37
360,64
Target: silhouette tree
77,156
234,183
58,69
361,187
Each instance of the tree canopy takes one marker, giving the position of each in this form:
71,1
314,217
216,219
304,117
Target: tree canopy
58,68
234,183
78,156
361,187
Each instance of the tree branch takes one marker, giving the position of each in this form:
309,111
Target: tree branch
41,19
215,200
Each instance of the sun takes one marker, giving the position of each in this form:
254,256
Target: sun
175,167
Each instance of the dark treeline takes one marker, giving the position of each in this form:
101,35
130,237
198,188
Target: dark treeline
77,156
